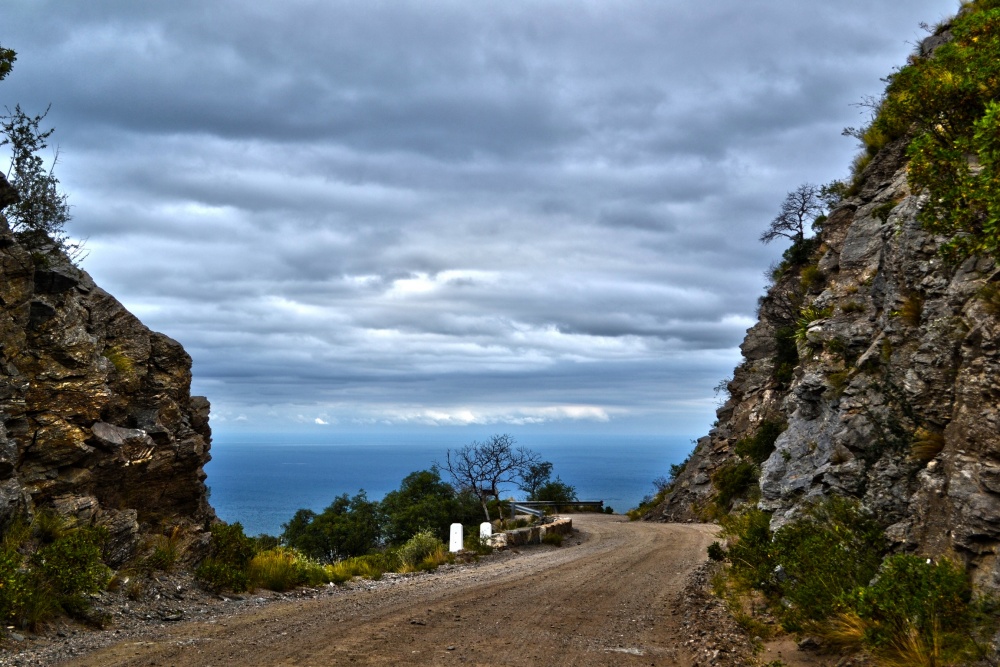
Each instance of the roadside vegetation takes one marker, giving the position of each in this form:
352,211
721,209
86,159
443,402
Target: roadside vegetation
51,567
948,108
829,573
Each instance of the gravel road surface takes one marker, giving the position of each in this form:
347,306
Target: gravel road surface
612,595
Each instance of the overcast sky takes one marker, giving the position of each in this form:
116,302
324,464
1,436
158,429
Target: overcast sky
430,213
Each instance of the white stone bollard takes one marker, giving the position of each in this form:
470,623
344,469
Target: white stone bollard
456,538
485,530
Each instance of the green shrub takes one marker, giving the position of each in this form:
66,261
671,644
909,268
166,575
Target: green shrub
166,550
807,317
474,544
282,569
553,539
733,480
949,102
827,573
915,603
419,547
36,584
827,553
227,566
371,566
760,445
750,551
350,526
810,277
786,357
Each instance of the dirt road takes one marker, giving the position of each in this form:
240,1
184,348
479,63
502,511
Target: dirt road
605,598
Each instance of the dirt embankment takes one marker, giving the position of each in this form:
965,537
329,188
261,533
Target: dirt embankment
616,593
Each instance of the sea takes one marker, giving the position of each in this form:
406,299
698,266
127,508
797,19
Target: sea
262,480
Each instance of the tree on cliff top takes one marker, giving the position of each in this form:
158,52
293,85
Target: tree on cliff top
42,212
39,217
802,205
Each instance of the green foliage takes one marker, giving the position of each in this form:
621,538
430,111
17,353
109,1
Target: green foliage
71,565
825,555
473,544
282,569
228,563
882,211
760,445
555,491
370,566
734,480
827,573
419,547
38,580
750,551
716,552
348,527
553,539
810,277
424,501
950,104
38,218
786,357
166,549
7,58
533,478
807,317
912,593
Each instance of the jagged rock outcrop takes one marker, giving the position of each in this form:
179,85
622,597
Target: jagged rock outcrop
97,423
895,394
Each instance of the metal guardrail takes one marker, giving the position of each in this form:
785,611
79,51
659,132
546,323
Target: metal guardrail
536,505
525,509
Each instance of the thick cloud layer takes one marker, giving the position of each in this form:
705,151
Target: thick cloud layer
443,212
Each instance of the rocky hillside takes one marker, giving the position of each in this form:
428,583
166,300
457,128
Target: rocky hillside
97,423
874,370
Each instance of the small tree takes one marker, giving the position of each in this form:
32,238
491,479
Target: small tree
39,217
483,467
802,205
556,492
536,475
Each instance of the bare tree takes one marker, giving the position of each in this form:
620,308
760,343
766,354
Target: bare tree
802,205
483,467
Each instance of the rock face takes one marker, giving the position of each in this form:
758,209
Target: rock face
895,394
97,422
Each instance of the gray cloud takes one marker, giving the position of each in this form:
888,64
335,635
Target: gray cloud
438,212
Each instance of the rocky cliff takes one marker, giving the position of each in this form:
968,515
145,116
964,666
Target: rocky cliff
876,365
97,423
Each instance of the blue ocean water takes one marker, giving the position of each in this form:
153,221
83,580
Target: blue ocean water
262,481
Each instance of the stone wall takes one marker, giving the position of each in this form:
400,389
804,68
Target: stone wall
531,534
